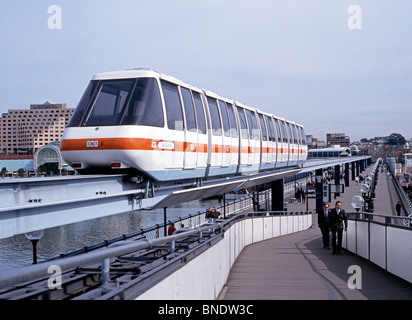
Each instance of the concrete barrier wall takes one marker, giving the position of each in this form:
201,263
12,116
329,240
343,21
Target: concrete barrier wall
387,246
204,277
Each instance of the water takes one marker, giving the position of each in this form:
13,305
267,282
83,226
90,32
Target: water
17,251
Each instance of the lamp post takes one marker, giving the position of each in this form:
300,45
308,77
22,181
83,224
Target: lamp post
357,202
34,237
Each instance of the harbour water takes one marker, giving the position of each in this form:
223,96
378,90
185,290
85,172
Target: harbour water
17,251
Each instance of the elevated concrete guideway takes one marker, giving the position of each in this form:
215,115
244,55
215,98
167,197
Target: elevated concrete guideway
297,267
39,203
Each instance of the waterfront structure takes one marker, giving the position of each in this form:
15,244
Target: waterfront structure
24,131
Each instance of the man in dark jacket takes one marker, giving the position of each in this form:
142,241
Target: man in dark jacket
323,222
336,219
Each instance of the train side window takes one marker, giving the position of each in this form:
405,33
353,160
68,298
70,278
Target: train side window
242,122
256,131
283,129
225,118
288,126
278,131
214,114
189,110
145,106
295,134
269,127
200,113
263,127
232,120
250,123
272,129
173,108
302,132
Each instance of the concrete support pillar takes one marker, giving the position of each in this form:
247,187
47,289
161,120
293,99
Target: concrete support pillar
347,174
353,171
277,195
319,190
337,177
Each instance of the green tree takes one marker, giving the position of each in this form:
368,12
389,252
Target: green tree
396,139
21,172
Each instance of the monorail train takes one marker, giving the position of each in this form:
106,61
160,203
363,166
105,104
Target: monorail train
163,129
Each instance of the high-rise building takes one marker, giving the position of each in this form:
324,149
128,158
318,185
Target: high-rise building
25,131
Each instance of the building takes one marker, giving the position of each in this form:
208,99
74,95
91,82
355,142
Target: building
333,139
314,143
23,132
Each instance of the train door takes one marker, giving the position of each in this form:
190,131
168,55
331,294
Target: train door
191,134
234,149
216,136
303,147
284,148
244,138
226,138
271,141
251,157
277,141
257,135
202,139
172,142
298,143
290,143
266,156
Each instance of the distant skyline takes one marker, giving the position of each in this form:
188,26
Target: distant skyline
332,66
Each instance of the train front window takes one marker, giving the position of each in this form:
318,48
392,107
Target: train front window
109,103
145,106
120,102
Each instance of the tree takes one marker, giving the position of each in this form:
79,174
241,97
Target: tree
3,172
396,139
21,172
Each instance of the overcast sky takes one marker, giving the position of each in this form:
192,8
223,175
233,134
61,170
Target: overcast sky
298,59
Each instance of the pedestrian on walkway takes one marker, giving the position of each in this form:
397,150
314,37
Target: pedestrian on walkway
398,208
337,217
323,222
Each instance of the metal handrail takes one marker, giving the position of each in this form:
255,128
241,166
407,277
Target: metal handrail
154,232
13,276
406,202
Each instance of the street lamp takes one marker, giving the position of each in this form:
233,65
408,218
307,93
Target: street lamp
357,202
34,237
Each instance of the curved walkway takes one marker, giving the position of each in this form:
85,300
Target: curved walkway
297,267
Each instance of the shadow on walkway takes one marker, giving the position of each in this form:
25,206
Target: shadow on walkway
372,282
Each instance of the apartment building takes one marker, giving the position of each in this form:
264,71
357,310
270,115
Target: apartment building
25,131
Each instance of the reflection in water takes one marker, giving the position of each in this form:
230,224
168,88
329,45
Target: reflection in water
17,251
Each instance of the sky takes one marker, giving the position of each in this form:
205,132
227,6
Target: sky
327,65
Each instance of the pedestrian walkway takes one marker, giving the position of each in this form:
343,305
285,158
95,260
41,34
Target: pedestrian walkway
296,267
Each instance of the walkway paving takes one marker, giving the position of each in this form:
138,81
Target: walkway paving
296,267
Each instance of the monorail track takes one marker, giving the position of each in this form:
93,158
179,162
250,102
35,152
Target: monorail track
39,203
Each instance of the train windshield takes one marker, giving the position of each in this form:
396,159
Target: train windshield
120,102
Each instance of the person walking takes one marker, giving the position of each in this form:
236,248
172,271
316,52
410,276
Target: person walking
398,208
337,218
323,222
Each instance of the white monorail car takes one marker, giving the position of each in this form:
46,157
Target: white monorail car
154,125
